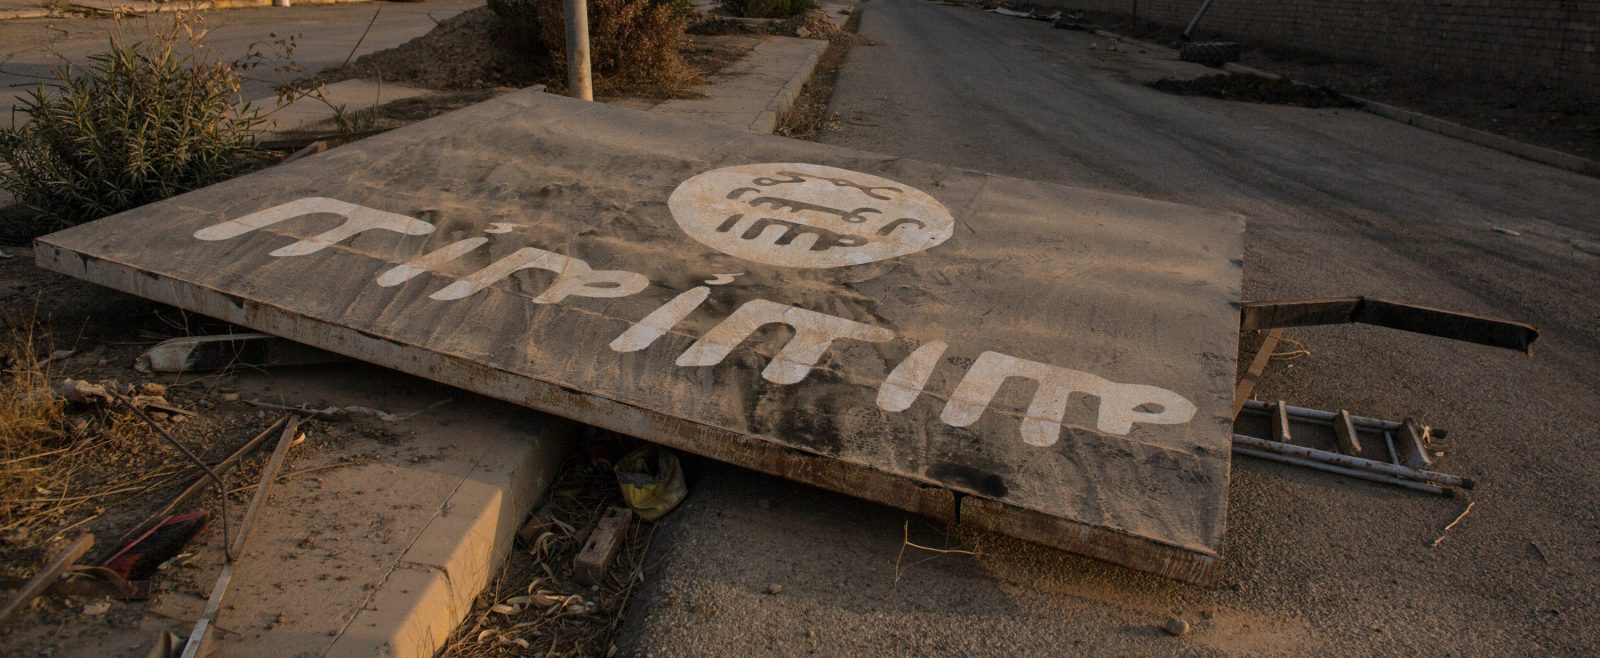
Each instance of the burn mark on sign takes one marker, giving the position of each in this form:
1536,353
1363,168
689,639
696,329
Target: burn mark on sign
970,478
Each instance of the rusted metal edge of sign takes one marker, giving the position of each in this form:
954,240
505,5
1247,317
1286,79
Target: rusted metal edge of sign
1279,313
1191,564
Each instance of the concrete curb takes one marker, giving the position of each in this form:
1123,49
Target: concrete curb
767,121
1482,138
86,7
756,91
432,589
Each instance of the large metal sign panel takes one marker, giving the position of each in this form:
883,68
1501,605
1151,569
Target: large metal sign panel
1048,362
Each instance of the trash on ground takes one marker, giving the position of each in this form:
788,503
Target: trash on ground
652,481
214,353
138,559
1252,88
46,576
591,563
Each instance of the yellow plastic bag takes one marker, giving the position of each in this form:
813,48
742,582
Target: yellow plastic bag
652,481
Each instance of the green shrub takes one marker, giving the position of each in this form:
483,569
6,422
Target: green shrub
767,8
634,45
144,122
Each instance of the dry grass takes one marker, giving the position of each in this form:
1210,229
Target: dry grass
809,116
535,607
60,470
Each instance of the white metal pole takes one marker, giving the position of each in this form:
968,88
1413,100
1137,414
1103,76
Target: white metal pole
579,84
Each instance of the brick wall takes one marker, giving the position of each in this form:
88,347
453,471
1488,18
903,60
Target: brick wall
1551,41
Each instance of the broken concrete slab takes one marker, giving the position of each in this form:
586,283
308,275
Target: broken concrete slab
1048,362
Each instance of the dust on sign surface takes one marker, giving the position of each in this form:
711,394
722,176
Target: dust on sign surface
1057,363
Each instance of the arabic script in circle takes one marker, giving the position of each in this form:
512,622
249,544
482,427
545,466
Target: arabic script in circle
806,215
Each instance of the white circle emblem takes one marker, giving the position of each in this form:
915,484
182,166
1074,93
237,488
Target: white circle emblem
806,215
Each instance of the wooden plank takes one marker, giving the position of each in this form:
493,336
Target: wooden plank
1344,434
46,576
1281,414
1277,313
591,563
1412,445
1247,384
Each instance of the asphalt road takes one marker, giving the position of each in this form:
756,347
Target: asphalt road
324,36
1338,202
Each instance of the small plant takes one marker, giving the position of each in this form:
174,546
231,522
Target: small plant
144,122
633,44
767,8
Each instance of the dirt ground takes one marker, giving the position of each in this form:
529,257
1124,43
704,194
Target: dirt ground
466,52
123,472
1254,89
1528,112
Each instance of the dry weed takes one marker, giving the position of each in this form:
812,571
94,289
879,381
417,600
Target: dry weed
60,470
535,607
809,116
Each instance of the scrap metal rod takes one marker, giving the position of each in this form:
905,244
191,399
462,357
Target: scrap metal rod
221,468
222,485
1349,462
202,628
1351,472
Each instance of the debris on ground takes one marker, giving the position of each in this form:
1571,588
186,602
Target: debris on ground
651,480
594,560
217,353
46,576
1210,53
813,24
1251,88
147,397
1177,627
538,598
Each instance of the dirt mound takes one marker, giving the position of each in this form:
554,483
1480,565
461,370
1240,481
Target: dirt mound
465,51
1254,89
813,24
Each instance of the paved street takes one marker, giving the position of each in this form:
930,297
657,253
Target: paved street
31,49
1338,202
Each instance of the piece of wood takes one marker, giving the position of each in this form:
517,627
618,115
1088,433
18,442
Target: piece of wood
220,468
1281,412
199,640
540,522
47,575
1411,444
85,588
591,563
1247,384
1274,313
1344,434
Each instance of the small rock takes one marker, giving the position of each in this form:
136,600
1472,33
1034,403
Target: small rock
1177,627
97,608
230,397
1208,613
774,589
